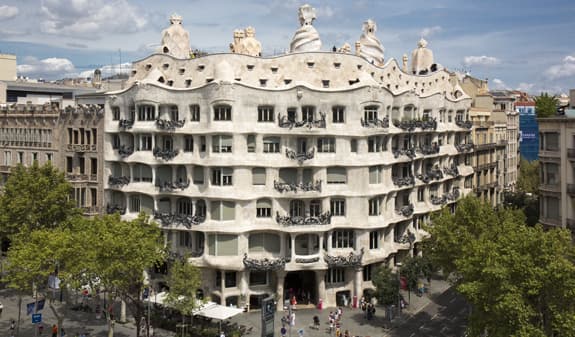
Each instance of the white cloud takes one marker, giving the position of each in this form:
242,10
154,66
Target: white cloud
498,84
46,68
527,87
480,60
90,18
325,12
8,12
108,70
565,69
428,31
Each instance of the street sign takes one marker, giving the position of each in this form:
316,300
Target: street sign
36,318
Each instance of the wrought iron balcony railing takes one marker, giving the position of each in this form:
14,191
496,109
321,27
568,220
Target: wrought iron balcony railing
406,210
428,149
353,259
464,124
125,151
321,219
81,147
115,208
300,156
169,125
304,260
285,122
453,195
412,124
375,123
167,219
77,177
118,181
451,170
410,152
165,154
435,200
170,186
303,187
408,237
125,124
433,174
464,147
264,264
403,181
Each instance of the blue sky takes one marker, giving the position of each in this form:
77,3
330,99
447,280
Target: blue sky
527,44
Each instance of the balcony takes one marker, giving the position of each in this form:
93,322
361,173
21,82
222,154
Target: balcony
168,219
300,156
428,149
91,210
125,151
353,259
571,154
264,264
5,168
464,124
406,210
502,143
555,222
571,224
375,123
410,152
170,186
433,174
165,154
125,124
435,200
115,208
118,181
301,187
550,187
321,219
409,237
78,177
403,181
287,123
169,125
487,146
81,147
412,124
451,170
571,189
464,147
487,166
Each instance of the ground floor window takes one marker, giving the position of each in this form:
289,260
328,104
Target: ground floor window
335,275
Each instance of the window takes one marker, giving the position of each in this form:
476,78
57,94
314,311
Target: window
222,113
374,206
7,158
336,175
194,113
185,240
375,174
468,182
82,165
551,174
315,208
367,273
222,176
146,112
342,239
69,164
34,156
337,207
308,113
231,279
551,141
338,114
264,242
188,143
258,278
20,157
198,175
93,165
135,203
326,144
146,142
325,83
376,144
420,194
222,143
353,145
271,144
373,240
94,196
335,275
370,113
265,114
264,208
115,113
202,143
296,208
49,157
426,114
223,210
251,142
258,176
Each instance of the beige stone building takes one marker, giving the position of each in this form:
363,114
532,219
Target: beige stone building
7,68
294,175
504,101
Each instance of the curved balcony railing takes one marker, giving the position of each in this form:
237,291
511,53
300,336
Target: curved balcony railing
167,219
428,149
304,260
433,174
169,125
451,170
264,264
375,123
170,186
464,147
81,147
115,208
353,259
403,181
464,124
300,156
118,181
125,124
322,219
125,151
406,210
301,187
167,154
285,122
408,237
412,124
410,152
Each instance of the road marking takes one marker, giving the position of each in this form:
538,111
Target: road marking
413,334
434,316
453,300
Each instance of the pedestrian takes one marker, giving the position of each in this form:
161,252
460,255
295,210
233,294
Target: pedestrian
54,330
40,328
337,332
331,323
222,334
346,333
1,308
292,319
283,331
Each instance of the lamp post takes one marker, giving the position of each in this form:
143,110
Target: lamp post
398,265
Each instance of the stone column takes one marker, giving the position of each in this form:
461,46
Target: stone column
329,238
122,311
280,279
223,287
320,280
292,253
244,287
358,282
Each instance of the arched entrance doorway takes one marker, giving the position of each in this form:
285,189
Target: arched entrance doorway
302,285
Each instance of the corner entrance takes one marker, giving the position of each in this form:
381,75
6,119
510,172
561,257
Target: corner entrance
302,285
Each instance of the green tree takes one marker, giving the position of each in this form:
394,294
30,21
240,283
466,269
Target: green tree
528,179
518,279
415,268
183,280
545,105
387,285
34,197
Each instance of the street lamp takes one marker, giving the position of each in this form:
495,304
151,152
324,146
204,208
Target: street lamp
398,265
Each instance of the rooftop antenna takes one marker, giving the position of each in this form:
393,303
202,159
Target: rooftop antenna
120,51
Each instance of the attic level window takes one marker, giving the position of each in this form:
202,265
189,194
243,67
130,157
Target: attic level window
134,72
170,83
161,79
287,81
148,66
337,65
182,71
201,67
325,83
238,79
209,79
165,66
250,67
263,82
359,67
188,83
274,70
310,64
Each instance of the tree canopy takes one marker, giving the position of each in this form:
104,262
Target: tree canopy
520,280
183,279
387,285
35,197
528,178
545,105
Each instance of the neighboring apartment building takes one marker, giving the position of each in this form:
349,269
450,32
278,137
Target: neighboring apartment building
296,175
45,122
504,100
557,167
